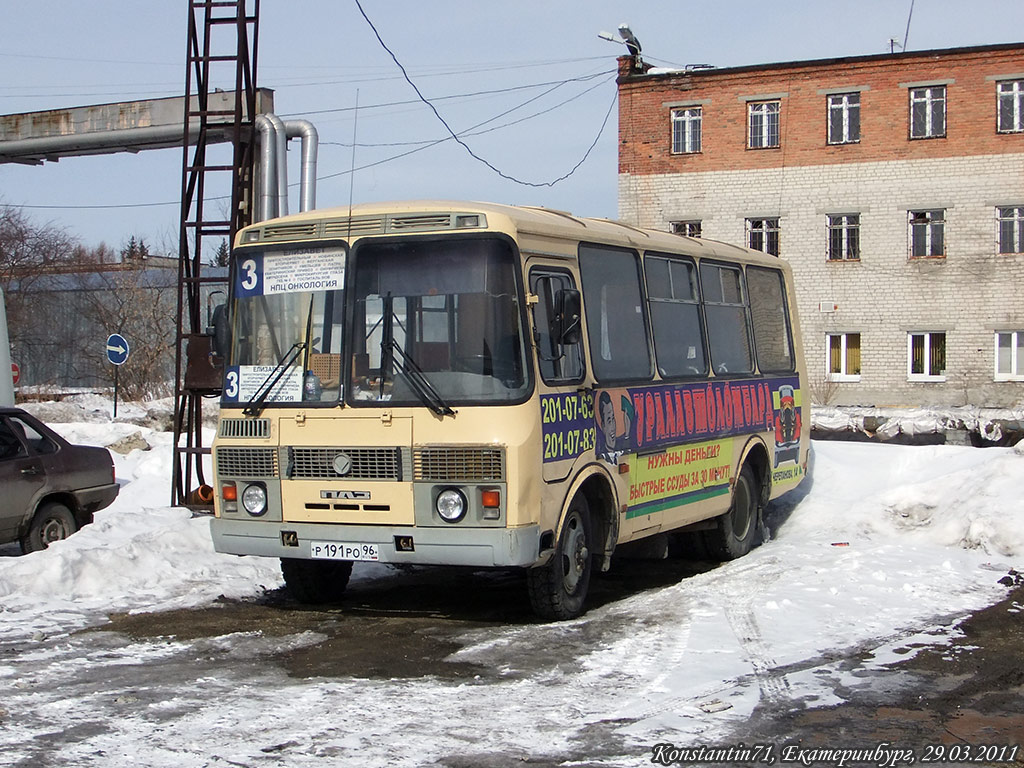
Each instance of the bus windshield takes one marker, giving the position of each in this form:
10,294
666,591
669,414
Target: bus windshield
287,327
437,323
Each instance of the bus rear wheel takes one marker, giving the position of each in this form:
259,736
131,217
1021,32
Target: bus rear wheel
558,589
736,531
316,582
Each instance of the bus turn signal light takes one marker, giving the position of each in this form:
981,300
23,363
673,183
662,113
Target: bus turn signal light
229,492
490,499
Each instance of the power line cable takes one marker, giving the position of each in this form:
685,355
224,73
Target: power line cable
471,131
906,35
491,92
463,144
468,132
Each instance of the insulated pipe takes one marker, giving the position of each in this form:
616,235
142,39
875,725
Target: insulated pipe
267,168
34,151
281,145
310,143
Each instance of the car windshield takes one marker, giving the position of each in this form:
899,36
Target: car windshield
437,323
287,327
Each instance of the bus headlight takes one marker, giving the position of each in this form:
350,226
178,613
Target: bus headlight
451,505
254,499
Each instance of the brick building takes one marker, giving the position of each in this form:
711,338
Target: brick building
894,184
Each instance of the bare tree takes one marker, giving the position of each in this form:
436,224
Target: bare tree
139,304
28,253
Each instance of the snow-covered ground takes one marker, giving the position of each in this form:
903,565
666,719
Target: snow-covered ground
887,545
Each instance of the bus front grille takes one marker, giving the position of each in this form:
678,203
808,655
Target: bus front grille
290,231
459,464
247,462
359,463
355,226
421,221
245,428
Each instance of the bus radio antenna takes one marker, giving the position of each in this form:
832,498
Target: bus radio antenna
352,172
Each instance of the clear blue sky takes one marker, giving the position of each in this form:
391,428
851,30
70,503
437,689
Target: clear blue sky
318,55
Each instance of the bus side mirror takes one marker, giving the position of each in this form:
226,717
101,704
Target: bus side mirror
565,324
220,330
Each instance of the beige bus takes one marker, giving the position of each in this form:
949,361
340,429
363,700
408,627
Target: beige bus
460,383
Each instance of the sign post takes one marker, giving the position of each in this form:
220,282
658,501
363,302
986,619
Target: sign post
117,353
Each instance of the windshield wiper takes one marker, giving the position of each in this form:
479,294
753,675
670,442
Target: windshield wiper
255,405
392,352
419,383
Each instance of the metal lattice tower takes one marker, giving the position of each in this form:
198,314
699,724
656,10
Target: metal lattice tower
221,59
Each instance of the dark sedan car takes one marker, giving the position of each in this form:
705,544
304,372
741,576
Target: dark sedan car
49,488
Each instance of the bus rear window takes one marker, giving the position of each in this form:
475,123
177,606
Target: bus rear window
770,318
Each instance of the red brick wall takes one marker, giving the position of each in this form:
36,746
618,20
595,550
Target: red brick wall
645,129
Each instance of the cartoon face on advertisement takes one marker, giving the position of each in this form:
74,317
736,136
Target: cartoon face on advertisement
611,442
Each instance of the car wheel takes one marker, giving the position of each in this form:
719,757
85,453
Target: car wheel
52,522
316,582
558,588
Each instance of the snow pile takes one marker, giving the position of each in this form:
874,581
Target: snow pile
887,423
95,408
944,495
139,554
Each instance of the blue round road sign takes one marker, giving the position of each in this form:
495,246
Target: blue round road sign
117,349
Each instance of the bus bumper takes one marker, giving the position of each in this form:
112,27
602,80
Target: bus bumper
482,547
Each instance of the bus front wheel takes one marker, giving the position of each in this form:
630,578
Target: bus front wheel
558,588
736,531
316,582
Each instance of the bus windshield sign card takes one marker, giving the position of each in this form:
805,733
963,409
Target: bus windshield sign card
267,274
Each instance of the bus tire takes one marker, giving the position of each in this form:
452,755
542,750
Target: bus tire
316,582
736,531
558,589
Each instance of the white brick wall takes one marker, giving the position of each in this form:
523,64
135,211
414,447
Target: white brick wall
969,294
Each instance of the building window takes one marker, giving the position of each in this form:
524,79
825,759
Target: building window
844,118
926,356
763,235
1011,230
928,112
844,237
764,124
843,362
1011,106
927,230
1010,356
686,130
687,228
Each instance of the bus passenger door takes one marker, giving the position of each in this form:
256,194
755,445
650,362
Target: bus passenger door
567,408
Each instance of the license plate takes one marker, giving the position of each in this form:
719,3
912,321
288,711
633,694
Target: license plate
340,550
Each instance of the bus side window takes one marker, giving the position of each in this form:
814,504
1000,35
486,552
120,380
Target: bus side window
674,304
616,321
559,363
725,311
